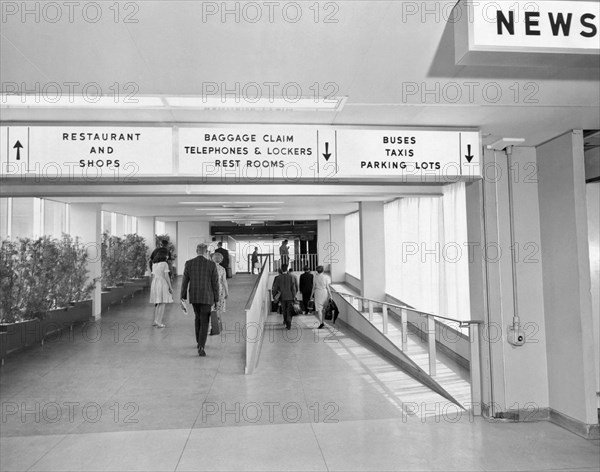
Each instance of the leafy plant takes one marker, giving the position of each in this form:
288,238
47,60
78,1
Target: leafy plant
41,274
135,251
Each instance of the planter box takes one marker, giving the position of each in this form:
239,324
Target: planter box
117,294
65,318
143,282
20,335
16,336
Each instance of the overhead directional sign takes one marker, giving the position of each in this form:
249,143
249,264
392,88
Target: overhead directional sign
86,152
247,153
323,153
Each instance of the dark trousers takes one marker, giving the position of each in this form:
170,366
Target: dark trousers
305,300
286,308
202,311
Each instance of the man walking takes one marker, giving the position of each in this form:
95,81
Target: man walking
284,253
306,286
225,253
287,285
201,275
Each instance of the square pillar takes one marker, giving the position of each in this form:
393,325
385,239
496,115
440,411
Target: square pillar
323,244
566,278
334,248
145,229
85,220
372,250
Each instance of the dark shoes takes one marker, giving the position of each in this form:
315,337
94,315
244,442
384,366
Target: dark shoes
201,352
321,326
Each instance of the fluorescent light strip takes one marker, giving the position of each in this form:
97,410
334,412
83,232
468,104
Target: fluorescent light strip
233,210
56,99
256,103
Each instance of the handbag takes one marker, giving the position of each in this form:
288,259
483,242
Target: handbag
297,310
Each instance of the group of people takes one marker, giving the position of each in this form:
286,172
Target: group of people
316,287
206,279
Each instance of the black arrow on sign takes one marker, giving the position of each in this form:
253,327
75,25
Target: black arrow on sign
18,147
327,154
469,156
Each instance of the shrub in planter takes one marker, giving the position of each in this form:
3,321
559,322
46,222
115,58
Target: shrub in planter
135,252
39,275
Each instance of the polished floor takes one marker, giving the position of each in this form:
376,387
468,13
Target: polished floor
121,395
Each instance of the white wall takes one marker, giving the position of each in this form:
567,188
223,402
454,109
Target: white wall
189,235
514,378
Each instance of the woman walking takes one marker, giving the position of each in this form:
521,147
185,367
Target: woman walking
321,293
219,307
161,291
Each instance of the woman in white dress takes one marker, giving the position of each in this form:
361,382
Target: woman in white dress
219,307
161,291
321,293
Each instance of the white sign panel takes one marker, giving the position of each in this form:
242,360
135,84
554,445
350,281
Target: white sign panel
408,154
326,153
562,26
249,153
86,152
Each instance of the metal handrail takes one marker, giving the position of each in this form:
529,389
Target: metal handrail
462,323
473,325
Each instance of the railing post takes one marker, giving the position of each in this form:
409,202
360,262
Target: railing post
475,369
404,328
385,318
370,310
431,344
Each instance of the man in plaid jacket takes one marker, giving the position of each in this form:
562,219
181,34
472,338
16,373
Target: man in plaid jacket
200,274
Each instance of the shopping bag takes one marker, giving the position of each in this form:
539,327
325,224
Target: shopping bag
215,323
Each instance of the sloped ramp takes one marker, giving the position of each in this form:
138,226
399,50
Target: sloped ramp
363,328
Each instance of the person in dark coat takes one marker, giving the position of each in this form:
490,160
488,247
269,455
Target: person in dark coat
200,275
225,253
306,286
287,285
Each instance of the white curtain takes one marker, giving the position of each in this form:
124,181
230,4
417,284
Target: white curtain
427,263
352,244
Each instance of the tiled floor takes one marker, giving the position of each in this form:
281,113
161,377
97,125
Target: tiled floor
121,395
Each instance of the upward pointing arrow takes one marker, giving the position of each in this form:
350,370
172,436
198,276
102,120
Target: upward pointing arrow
18,146
327,154
469,156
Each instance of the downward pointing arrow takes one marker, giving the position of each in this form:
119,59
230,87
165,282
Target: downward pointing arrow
327,154
18,147
469,156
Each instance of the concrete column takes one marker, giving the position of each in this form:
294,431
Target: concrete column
566,276
334,249
85,222
514,378
372,250
323,244
145,228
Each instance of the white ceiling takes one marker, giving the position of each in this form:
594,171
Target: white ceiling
372,55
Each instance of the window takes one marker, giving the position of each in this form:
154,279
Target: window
427,252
